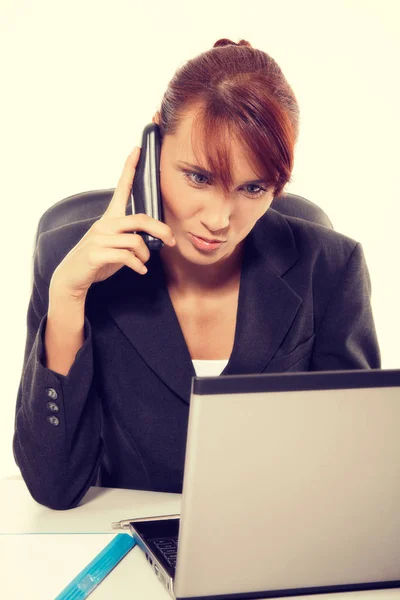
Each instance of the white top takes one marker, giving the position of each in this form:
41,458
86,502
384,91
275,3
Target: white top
209,368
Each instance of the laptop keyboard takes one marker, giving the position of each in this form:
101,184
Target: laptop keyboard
168,548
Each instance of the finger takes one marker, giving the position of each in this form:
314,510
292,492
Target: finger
118,256
141,222
134,243
117,205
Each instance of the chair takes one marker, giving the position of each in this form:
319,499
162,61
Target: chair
88,205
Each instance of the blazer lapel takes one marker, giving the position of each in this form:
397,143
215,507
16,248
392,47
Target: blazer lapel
142,309
267,304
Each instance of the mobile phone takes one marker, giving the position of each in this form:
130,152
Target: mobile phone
146,191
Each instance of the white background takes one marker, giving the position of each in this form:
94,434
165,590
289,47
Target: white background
79,80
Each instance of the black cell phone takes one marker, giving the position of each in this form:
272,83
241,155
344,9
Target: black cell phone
146,190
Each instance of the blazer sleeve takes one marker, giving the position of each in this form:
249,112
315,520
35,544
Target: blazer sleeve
346,336
57,443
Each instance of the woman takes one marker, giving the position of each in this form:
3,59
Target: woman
113,344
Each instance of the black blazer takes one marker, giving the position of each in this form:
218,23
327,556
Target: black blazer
122,410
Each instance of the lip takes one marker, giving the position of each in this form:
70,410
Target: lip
213,241
204,244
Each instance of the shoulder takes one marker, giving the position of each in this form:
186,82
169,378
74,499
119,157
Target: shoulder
318,237
304,242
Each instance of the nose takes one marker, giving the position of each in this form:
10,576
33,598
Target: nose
216,214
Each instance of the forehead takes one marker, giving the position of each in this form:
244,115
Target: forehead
189,144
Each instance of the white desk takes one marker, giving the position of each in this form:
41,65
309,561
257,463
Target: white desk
39,555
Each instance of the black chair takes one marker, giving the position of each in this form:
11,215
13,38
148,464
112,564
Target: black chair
88,205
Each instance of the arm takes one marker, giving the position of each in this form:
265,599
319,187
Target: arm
57,448
346,336
64,333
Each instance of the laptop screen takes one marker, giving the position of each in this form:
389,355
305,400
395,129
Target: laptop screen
291,482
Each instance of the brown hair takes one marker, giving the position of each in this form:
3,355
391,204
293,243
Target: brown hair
239,91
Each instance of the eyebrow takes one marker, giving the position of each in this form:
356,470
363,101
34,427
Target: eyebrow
210,175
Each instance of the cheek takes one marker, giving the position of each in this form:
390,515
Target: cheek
170,194
259,208
178,199
249,214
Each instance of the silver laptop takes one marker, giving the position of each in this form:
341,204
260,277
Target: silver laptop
291,486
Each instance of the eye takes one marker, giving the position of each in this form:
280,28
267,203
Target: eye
190,175
255,193
193,175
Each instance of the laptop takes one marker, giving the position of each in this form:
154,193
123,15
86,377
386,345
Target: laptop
291,487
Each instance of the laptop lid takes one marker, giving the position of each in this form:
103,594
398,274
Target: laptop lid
292,482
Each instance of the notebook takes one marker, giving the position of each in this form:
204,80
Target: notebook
291,486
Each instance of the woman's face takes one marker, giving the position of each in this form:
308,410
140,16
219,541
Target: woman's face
208,224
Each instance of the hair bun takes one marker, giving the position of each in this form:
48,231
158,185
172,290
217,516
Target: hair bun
226,42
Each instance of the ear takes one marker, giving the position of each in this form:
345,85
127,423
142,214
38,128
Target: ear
156,118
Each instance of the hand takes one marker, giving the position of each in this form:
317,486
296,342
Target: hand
105,248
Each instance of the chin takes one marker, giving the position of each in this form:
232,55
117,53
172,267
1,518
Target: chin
204,260
199,258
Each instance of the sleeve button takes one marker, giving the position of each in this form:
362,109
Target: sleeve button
53,420
52,406
52,393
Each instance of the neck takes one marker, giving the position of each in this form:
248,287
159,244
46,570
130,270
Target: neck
191,279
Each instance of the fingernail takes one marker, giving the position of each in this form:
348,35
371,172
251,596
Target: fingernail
173,241
143,270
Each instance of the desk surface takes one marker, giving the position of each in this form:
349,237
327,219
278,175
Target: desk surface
99,508
39,566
